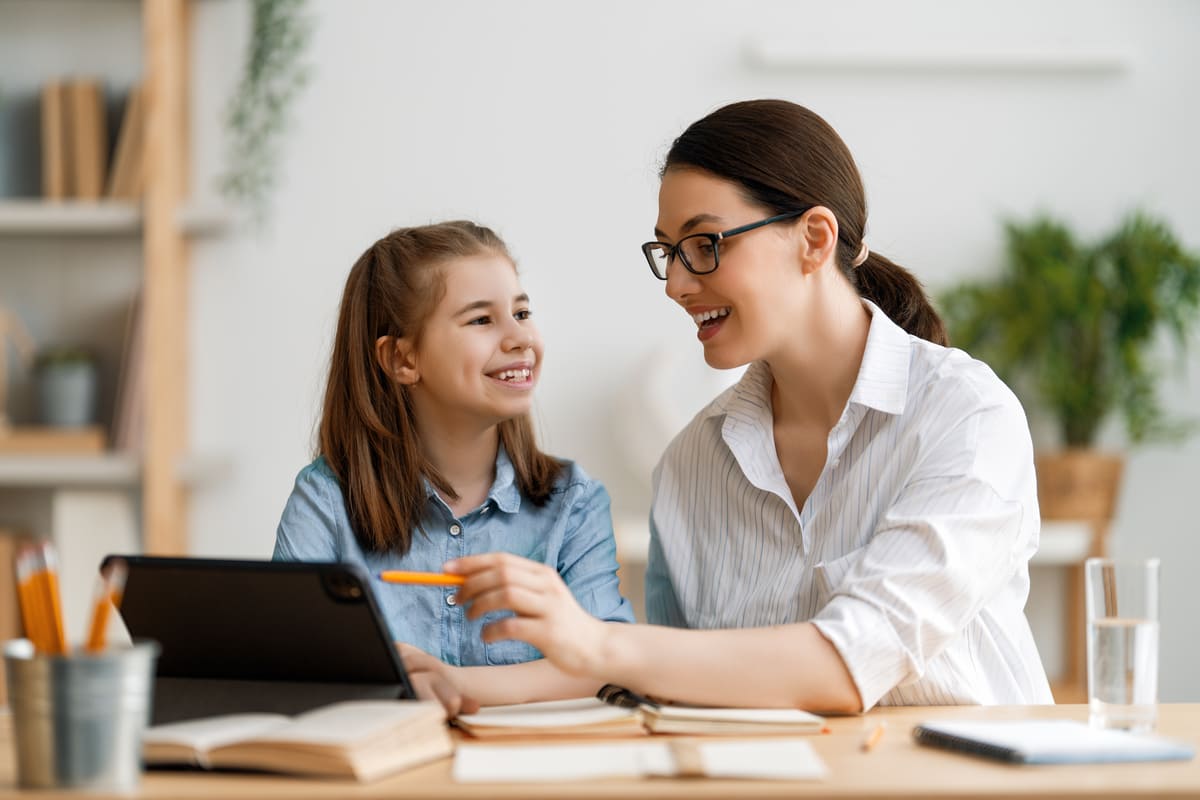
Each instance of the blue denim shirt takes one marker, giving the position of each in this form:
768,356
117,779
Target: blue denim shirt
571,532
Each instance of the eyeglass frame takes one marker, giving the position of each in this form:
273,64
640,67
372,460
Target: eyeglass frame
673,251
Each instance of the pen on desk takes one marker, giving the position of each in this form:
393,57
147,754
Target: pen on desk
109,587
37,591
421,578
873,737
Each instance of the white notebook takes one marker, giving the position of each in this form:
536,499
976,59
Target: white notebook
1049,742
760,758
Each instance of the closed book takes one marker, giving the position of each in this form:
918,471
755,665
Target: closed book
87,138
361,740
55,163
1048,742
125,177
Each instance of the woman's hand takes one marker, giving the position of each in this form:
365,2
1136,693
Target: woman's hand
547,615
433,679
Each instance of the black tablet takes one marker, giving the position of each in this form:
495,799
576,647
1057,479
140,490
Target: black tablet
241,636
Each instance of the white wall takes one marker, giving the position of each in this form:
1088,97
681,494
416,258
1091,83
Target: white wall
547,120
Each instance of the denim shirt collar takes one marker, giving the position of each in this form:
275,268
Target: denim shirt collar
504,494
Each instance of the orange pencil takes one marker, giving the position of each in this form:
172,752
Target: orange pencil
421,578
873,737
37,590
109,587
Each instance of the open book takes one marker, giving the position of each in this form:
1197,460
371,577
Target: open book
619,712
758,758
360,739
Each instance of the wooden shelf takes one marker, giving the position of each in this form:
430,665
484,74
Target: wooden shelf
36,217
110,470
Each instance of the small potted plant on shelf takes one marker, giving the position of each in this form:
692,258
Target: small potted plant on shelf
1074,329
66,386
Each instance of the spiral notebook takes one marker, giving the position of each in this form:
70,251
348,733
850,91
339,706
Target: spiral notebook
1049,742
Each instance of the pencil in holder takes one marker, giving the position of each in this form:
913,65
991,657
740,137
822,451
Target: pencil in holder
78,719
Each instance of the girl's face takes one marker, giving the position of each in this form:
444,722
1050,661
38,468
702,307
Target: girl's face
740,309
480,355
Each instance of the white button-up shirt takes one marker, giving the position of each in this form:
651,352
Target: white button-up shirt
911,553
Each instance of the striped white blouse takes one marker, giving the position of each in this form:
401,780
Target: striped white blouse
911,554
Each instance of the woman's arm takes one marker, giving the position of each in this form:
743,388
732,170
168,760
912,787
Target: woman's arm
782,666
500,685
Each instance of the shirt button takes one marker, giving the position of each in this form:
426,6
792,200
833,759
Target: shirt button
450,601
455,529
836,461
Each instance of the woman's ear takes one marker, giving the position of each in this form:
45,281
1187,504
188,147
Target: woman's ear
819,229
398,358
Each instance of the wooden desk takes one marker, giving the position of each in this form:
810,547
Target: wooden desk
896,768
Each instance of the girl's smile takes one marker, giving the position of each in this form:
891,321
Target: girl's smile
515,376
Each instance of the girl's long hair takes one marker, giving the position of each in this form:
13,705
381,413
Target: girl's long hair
786,158
368,433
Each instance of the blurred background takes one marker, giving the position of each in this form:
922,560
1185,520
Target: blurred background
547,121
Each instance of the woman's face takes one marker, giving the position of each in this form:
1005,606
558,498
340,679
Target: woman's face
739,309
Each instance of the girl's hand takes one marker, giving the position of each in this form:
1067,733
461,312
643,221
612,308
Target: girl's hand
547,615
433,679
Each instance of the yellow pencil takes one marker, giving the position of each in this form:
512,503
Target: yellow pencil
41,608
873,737
109,588
421,578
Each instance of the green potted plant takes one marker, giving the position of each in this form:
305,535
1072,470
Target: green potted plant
1072,328
66,382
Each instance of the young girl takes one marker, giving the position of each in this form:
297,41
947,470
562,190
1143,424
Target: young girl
849,525
426,453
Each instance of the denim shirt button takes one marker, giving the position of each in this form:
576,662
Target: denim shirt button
455,529
450,601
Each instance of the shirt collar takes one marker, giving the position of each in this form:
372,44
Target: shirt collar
504,494
882,382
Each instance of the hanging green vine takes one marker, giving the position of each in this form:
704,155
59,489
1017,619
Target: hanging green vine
274,74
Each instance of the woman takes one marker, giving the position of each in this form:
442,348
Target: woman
850,524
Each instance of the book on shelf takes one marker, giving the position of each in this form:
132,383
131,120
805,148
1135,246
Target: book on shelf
56,179
618,712
125,179
74,139
87,133
361,740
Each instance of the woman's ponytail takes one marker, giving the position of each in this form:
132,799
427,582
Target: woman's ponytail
900,295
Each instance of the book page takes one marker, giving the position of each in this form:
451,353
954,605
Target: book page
345,724
205,734
771,716
778,759
549,714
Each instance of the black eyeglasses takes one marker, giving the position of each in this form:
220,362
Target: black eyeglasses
699,252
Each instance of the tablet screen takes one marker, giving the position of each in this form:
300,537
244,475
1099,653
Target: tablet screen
260,620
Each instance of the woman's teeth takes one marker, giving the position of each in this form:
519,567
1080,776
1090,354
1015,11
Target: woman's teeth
515,374
706,316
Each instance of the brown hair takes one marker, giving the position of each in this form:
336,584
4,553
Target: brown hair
368,434
786,158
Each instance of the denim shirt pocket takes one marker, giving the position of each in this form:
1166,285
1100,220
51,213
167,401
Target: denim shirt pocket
508,651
